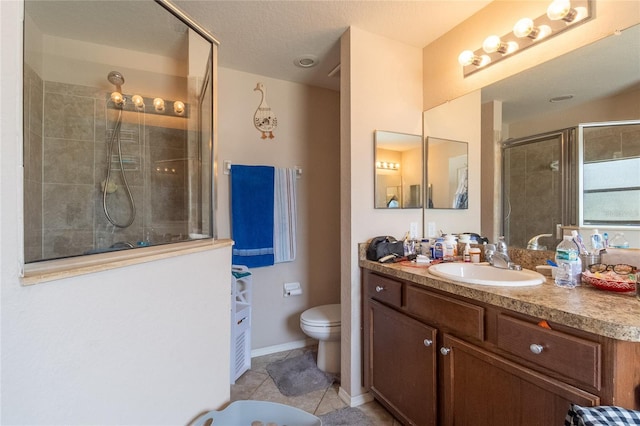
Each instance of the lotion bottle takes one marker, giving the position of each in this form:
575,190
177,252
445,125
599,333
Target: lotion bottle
466,256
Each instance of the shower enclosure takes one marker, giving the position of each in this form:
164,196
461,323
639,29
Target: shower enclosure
118,147
539,186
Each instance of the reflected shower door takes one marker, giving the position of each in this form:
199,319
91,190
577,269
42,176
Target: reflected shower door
538,187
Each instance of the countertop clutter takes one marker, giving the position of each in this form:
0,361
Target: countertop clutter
608,314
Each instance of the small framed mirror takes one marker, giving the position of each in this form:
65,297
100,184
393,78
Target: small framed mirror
447,174
398,170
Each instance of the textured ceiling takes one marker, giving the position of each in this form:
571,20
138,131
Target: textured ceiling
264,37
261,37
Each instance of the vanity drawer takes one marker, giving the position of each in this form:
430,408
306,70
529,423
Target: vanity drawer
460,318
384,289
571,356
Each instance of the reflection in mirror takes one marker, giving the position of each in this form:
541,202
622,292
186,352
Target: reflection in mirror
398,170
610,174
447,174
117,127
604,84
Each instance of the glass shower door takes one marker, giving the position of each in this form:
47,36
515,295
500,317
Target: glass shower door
538,187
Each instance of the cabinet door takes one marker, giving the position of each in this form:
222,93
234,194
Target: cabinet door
401,355
481,388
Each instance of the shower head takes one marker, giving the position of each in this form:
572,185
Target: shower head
116,79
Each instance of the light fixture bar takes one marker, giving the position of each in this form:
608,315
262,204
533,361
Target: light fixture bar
560,16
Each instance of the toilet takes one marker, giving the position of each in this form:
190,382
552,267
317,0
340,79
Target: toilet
323,323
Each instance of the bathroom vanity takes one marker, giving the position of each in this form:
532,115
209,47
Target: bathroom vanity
437,352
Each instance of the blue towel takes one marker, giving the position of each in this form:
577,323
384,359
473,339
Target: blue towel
252,215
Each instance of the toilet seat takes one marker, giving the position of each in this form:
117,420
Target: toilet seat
322,316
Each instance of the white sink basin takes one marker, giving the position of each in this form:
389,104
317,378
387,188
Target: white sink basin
484,274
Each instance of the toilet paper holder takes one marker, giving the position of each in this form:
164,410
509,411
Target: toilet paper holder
292,289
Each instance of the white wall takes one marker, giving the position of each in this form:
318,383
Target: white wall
307,136
381,82
143,344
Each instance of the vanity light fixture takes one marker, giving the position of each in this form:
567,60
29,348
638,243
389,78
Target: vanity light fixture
386,165
560,16
138,103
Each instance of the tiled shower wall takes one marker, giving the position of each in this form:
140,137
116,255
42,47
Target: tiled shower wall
66,139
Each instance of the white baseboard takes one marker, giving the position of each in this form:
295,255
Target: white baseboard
354,401
283,347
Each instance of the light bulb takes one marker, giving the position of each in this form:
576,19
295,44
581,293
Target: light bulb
466,58
484,60
117,98
178,107
525,28
544,31
378,164
491,44
559,9
138,101
397,165
158,104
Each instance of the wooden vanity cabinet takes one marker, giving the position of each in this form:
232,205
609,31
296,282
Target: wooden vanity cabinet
400,355
482,389
432,358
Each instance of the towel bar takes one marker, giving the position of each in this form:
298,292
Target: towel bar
227,168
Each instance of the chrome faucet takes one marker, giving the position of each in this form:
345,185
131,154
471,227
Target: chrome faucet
533,243
498,256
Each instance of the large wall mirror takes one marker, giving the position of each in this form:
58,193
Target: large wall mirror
398,170
596,83
447,174
118,127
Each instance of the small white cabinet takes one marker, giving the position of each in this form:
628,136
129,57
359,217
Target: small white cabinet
240,321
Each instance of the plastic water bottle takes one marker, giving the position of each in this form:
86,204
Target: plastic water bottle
569,264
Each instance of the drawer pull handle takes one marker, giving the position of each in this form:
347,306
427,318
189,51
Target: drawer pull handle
428,342
445,351
379,288
536,349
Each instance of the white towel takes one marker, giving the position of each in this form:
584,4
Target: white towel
285,214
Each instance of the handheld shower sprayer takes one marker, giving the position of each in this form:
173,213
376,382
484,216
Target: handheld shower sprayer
116,78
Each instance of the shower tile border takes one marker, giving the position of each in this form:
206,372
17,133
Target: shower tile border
51,270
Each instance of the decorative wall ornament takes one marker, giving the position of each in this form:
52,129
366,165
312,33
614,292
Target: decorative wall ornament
264,119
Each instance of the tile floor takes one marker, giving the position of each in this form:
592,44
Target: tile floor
256,384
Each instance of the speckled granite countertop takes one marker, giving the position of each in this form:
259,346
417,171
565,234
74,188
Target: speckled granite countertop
586,308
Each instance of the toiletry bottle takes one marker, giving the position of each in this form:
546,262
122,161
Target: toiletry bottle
596,242
438,248
618,241
425,247
475,254
409,245
569,264
466,255
450,249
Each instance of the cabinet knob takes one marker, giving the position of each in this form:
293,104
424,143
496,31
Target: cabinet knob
428,342
379,288
536,349
445,351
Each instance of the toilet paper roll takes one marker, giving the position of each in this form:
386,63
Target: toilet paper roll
295,292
